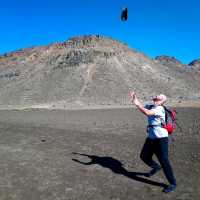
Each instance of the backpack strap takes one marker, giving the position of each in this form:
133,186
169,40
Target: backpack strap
172,113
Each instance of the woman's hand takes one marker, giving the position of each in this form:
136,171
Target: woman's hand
139,105
134,98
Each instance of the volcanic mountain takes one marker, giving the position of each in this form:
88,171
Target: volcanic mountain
90,70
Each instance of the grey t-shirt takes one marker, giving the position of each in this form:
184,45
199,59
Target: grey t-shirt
159,117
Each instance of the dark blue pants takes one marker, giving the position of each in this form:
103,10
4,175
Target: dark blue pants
159,147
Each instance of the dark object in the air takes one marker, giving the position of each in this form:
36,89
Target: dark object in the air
124,14
43,140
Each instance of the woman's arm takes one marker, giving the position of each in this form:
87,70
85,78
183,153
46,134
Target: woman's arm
140,106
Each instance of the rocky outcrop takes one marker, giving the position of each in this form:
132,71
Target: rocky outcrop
168,60
195,64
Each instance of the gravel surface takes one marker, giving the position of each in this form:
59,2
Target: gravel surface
45,155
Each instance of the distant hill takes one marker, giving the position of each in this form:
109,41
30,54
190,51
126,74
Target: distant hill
195,64
91,70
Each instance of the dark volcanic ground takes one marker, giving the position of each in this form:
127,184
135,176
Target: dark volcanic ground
38,160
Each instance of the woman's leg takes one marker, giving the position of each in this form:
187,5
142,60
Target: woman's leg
147,154
161,151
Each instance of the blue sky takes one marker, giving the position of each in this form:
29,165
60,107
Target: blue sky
154,27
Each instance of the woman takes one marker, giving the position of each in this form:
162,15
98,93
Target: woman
157,140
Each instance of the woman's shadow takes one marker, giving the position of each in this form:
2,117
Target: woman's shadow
117,167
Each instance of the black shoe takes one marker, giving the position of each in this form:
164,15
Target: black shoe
170,188
153,171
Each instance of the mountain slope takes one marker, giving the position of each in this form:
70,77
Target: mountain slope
89,70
